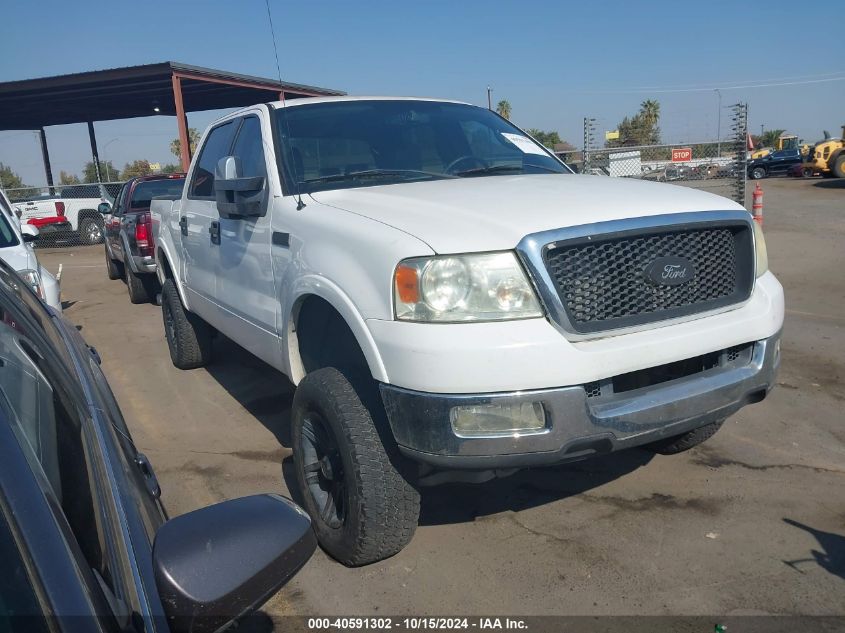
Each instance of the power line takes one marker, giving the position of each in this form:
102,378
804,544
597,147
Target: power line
710,88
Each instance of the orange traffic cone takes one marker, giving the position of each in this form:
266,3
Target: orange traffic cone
757,204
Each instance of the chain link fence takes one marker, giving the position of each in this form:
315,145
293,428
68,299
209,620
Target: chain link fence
718,167
66,215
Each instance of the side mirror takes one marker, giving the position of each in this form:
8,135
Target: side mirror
104,208
29,233
219,563
238,196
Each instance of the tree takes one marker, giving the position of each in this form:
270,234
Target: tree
193,139
769,138
107,171
10,180
68,179
504,109
139,167
171,168
640,129
547,139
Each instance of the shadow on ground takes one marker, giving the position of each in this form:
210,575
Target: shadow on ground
267,395
830,183
831,558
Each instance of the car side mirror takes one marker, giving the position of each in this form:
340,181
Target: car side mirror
238,196
104,208
219,563
29,233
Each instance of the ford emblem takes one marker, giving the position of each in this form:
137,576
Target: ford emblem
669,271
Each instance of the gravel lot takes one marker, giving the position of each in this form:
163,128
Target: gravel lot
752,522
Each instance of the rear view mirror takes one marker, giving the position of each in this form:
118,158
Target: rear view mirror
29,233
104,208
222,562
238,196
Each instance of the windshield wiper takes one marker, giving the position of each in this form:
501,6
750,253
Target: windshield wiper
502,168
376,173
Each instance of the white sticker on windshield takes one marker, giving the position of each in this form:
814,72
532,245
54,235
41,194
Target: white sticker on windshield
525,144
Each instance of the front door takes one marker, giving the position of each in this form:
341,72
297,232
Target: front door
245,287
197,217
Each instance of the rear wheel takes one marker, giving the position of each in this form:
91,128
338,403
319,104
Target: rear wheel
188,336
838,167
114,268
91,230
685,441
140,287
807,172
362,507
758,172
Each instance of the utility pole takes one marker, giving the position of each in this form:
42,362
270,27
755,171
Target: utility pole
719,125
489,98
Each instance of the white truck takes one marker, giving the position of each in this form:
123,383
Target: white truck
453,303
77,204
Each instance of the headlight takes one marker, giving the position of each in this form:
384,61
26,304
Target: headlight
488,287
32,278
762,255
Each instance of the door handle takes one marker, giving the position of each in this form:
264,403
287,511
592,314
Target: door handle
183,225
214,229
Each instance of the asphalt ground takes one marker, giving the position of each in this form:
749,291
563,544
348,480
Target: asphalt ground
751,522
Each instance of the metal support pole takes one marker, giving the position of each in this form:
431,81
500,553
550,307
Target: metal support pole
282,96
48,170
95,155
182,122
489,98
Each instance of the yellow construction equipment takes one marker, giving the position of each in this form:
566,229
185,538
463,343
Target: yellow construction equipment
828,156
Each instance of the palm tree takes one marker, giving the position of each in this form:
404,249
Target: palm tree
193,138
650,110
504,108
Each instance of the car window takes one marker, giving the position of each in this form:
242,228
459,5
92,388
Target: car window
47,411
18,603
146,190
249,147
216,147
8,237
117,207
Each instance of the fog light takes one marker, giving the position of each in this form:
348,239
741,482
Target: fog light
498,419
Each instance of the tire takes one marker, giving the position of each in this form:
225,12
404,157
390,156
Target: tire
188,336
90,231
806,172
142,288
685,441
757,173
114,268
362,508
838,166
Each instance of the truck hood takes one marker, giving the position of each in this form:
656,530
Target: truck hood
496,212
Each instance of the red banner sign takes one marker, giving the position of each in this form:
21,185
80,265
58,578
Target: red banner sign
681,154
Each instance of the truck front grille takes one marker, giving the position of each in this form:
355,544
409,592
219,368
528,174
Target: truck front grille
603,280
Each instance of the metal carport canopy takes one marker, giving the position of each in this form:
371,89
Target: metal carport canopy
167,88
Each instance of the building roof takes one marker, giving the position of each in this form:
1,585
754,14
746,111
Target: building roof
134,91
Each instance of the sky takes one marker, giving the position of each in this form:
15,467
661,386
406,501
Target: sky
554,61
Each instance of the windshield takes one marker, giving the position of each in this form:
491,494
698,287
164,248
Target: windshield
345,144
146,190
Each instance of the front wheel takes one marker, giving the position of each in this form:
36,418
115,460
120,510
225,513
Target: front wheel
758,172
362,507
685,441
114,268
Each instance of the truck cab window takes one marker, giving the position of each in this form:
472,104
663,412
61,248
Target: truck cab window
216,147
249,147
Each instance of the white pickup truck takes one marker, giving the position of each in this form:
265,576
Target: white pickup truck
453,303
78,204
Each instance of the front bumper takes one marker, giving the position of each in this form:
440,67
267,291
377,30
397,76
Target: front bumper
578,426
